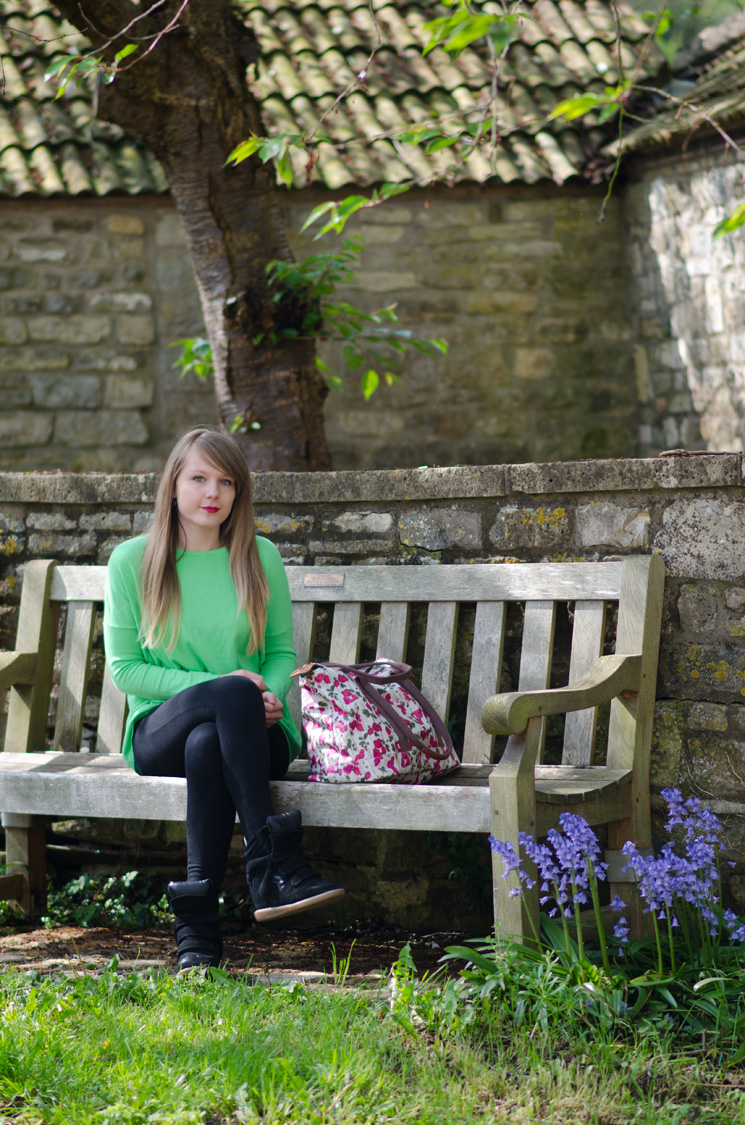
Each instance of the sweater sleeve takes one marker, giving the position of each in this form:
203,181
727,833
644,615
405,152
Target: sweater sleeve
131,670
278,653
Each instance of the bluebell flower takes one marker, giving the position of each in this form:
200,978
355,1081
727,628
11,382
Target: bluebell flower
618,905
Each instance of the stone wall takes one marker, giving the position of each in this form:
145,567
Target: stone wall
691,509
690,316
91,295
531,294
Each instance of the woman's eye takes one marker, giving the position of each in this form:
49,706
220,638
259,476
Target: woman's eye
197,478
228,482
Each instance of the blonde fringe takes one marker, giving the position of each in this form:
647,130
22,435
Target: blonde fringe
159,584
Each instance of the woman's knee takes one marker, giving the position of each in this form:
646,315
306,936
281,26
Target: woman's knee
201,751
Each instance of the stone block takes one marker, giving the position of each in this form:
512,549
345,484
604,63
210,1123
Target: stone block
42,252
363,523
21,304
14,392
734,598
611,525
347,547
142,521
123,392
169,232
697,606
12,331
62,304
543,528
107,548
437,529
71,330
127,249
487,302
56,391
133,271
708,716
125,224
387,281
137,330
534,363
50,521
11,520
712,672
126,301
703,538
42,545
274,523
106,521
106,427
104,361
25,427
16,278
668,734
174,274
88,279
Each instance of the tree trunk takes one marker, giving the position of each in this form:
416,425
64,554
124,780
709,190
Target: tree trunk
189,103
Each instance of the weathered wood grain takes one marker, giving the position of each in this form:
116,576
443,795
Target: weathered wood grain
587,646
111,717
537,653
76,662
28,706
393,631
439,651
346,633
486,664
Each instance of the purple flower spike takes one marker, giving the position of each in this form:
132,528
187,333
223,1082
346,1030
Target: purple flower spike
621,930
618,905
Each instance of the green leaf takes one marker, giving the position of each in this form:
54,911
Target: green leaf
321,365
244,150
442,142
578,106
732,222
125,52
285,170
58,65
370,383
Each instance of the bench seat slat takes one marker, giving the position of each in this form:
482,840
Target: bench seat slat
101,785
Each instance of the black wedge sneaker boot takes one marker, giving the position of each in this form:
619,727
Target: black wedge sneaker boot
279,877
196,925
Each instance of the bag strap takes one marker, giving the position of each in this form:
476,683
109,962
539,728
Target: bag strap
400,675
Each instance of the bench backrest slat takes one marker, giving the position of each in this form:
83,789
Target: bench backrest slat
587,645
439,653
486,665
393,631
28,707
76,662
112,717
464,583
346,633
537,652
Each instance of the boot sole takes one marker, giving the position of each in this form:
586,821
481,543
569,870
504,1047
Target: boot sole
267,913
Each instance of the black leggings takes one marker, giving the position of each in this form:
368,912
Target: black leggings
215,735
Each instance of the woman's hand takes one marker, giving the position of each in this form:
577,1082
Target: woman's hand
273,708
257,678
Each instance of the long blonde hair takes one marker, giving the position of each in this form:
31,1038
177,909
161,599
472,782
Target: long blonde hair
160,590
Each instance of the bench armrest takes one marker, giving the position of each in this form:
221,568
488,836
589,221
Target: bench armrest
609,676
17,668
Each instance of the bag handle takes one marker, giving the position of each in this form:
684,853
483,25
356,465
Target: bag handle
400,675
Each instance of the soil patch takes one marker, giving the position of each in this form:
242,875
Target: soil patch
255,950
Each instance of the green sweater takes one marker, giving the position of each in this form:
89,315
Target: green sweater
213,637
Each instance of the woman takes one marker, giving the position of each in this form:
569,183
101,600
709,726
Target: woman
198,633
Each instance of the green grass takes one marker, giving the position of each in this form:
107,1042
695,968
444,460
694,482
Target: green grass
136,1049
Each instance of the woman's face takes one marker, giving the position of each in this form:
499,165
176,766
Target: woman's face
204,497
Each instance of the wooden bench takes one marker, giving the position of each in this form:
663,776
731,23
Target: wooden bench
518,793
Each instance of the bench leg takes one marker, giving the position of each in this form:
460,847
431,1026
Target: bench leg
25,854
512,791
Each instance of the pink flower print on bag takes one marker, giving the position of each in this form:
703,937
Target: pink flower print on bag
369,722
